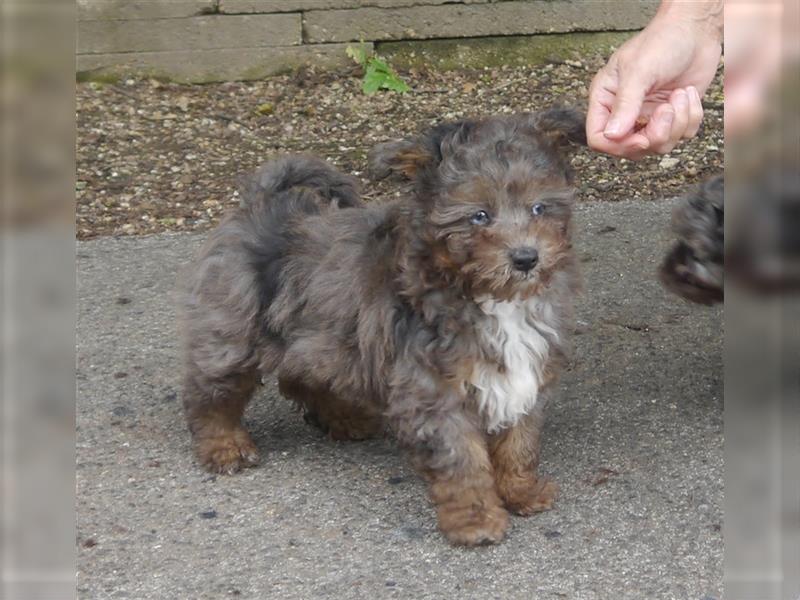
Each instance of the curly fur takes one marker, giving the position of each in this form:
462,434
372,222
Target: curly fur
693,268
406,314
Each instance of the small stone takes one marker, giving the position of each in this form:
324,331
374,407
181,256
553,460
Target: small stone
208,514
668,162
396,479
121,411
551,535
603,186
408,532
265,109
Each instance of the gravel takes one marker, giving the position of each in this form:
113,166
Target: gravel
155,156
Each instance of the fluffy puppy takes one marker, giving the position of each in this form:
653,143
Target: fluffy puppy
443,315
694,266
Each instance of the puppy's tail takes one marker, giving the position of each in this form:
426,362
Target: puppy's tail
285,180
237,276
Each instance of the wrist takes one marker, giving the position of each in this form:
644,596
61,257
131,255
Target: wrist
702,16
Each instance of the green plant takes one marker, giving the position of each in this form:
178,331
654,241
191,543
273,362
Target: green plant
377,72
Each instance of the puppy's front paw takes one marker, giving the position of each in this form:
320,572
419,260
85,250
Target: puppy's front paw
472,525
526,496
226,452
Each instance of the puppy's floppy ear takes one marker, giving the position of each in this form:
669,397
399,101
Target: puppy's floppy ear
398,157
561,125
410,156
446,137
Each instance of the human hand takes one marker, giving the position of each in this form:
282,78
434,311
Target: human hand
647,97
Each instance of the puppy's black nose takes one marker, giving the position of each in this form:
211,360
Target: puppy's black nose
525,258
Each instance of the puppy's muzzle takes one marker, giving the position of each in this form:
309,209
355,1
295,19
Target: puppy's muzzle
524,259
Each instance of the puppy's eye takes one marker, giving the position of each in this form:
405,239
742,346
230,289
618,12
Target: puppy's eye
480,218
537,209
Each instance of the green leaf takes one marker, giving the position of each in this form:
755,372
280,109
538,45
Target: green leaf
394,83
373,80
380,64
358,53
390,80
377,72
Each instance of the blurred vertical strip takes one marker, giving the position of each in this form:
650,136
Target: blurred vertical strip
762,300
37,299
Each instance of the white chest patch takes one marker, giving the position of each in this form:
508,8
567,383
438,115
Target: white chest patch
517,338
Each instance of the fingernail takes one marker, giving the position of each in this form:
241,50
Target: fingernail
682,97
612,128
667,117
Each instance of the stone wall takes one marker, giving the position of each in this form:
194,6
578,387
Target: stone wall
213,40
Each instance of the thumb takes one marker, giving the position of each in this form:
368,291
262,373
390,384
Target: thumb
627,106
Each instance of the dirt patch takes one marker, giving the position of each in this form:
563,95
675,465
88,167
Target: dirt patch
155,157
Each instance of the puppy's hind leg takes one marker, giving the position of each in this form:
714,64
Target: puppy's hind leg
220,321
341,420
214,409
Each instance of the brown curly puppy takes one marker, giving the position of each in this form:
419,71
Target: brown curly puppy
443,315
694,266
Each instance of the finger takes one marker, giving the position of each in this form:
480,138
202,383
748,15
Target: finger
695,112
626,108
633,147
659,127
600,101
679,101
596,114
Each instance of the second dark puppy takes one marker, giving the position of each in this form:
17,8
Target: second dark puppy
443,315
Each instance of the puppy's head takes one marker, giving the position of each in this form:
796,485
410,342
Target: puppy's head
694,267
493,197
